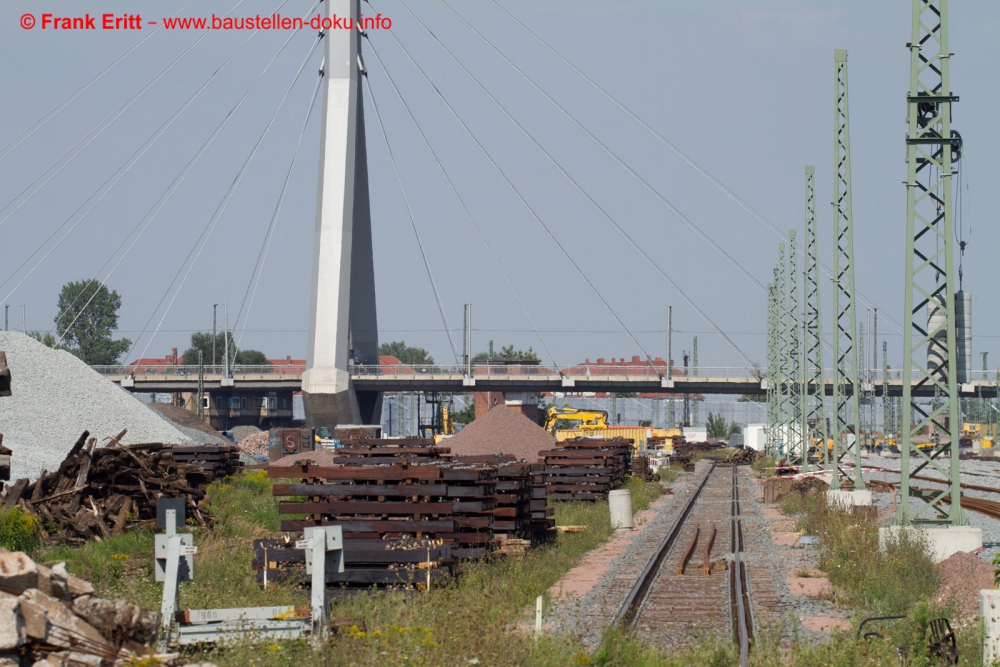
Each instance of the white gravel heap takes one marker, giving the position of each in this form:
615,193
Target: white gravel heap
56,397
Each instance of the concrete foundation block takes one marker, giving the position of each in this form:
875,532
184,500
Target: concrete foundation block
17,572
849,499
943,542
989,611
11,622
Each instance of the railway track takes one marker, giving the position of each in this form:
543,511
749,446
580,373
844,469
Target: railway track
695,584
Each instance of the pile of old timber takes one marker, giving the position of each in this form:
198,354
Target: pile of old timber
407,509
220,460
586,468
98,492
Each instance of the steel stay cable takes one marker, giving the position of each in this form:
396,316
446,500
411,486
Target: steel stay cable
756,284
266,247
160,200
213,221
753,281
107,122
137,154
465,207
517,193
413,224
66,101
742,203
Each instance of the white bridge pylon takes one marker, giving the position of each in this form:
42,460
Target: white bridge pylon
342,317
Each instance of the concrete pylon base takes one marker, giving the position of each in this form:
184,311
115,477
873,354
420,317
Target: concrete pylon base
849,499
943,542
329,398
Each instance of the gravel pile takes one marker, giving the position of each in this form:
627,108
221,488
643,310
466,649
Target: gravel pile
56,397
502,430
963,575
255,444
241,432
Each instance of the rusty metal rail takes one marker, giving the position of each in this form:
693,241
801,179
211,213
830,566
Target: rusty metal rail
673,610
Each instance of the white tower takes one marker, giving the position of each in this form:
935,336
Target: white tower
342,320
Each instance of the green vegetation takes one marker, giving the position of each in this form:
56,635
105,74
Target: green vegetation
88,314
483,616
764,466
718,427
506,354
411,356
202,342
19,531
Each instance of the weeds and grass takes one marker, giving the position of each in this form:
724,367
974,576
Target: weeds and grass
764,466
472,618
19,531
667,474
865,577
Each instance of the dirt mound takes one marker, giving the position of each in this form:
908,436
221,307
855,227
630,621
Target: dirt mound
324,459
502,430
184,418
255,444
963,575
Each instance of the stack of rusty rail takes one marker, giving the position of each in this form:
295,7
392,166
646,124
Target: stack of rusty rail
586,468
640,468
98,492
220,460
522,511
406,510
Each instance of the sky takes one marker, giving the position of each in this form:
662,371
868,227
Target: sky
743,88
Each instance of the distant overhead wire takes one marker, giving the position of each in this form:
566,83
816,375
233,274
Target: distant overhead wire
590,199
461,201
99,130
29,131
742,203
413,224
210,226
523,201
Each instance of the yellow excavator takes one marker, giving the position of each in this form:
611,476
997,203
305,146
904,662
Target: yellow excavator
588,419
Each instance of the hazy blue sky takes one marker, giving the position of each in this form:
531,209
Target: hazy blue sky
745,88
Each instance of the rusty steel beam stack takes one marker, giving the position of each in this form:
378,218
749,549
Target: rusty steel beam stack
586,468
522,510
221,461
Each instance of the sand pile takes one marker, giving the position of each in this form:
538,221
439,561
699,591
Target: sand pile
963,575
502,430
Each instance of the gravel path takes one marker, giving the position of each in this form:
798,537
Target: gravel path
56,397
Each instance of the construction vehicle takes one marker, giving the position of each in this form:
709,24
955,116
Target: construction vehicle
447,423
588,419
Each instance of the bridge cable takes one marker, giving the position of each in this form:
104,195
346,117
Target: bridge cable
213,222
523,201
461,201
137,155
66,101
266,246
749,277
416,233
107,122
160,202
746,275
742,203
591,200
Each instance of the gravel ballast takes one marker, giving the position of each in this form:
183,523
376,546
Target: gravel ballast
502,430
56,397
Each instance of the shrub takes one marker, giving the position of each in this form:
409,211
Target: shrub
19,531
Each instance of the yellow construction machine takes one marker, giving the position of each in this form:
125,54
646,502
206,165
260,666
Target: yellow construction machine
588,419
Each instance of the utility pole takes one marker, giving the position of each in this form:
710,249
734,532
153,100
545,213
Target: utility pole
6,317
24,322
201,385
225,308
888,418
812,367
773,375
686,417
846,407
671,410
467,339
783,408
793,329
931,147
694,373
215,309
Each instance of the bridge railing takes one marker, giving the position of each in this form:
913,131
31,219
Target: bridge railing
501,371
184,371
